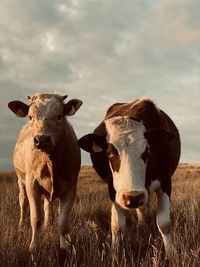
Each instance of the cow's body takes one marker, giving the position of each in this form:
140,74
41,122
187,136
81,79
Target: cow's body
47,160
133,176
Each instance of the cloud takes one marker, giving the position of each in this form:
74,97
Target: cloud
102,52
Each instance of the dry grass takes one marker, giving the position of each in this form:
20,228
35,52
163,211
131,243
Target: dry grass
90,231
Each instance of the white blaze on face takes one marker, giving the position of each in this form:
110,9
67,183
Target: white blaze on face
46,116
127,136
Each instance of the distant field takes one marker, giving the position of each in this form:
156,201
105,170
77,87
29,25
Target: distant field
90,231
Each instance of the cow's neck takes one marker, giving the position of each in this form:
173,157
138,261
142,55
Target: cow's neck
51,167
60,155
60,150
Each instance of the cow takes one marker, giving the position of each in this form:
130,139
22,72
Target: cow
47,161
136,149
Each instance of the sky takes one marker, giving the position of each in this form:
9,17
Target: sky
101,52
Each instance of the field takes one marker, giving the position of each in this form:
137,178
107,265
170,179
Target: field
90,230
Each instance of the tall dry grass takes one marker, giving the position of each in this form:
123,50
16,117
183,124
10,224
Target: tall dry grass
90,227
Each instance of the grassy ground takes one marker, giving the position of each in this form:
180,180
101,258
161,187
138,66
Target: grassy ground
90,231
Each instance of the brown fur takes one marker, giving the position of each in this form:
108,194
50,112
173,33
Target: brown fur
163,160
54,172
161,155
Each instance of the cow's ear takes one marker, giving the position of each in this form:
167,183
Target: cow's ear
93,143
72,106
19,108
159,136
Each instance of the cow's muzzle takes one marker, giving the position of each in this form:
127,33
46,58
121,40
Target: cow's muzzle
133,199
42,142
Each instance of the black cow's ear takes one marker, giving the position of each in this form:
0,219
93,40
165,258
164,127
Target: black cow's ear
159,136
92,143
72,106
19,108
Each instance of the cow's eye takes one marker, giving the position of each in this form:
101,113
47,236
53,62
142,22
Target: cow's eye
30,117
110,154
145,154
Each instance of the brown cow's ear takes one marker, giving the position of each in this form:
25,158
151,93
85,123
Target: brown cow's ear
93,143
72,106
159,136
19,108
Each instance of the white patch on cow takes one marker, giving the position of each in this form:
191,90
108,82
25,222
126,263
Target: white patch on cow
164,222
45,107
127,136
154,186
163,214
118,222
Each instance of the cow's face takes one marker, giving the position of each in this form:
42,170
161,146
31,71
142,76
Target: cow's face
46,121
46,113
127,146
127,154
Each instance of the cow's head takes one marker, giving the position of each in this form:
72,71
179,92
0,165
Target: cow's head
127,145
46,113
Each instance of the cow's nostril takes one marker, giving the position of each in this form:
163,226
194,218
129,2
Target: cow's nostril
42,141
127,202
141,202
36,141
133,200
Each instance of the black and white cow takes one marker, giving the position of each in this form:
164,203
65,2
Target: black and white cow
136,150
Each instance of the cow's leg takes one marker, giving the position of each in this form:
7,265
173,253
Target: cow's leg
164,222
23,202
34,197
65,208
140,218
118,222
47,213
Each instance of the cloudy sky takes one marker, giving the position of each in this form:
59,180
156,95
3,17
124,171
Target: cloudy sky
102,51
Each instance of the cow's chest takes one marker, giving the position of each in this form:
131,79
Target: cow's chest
43,174
51,187
44,178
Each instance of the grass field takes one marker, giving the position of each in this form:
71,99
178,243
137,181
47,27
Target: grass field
90,227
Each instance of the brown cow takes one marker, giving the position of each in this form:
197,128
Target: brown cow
47,160
136,150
